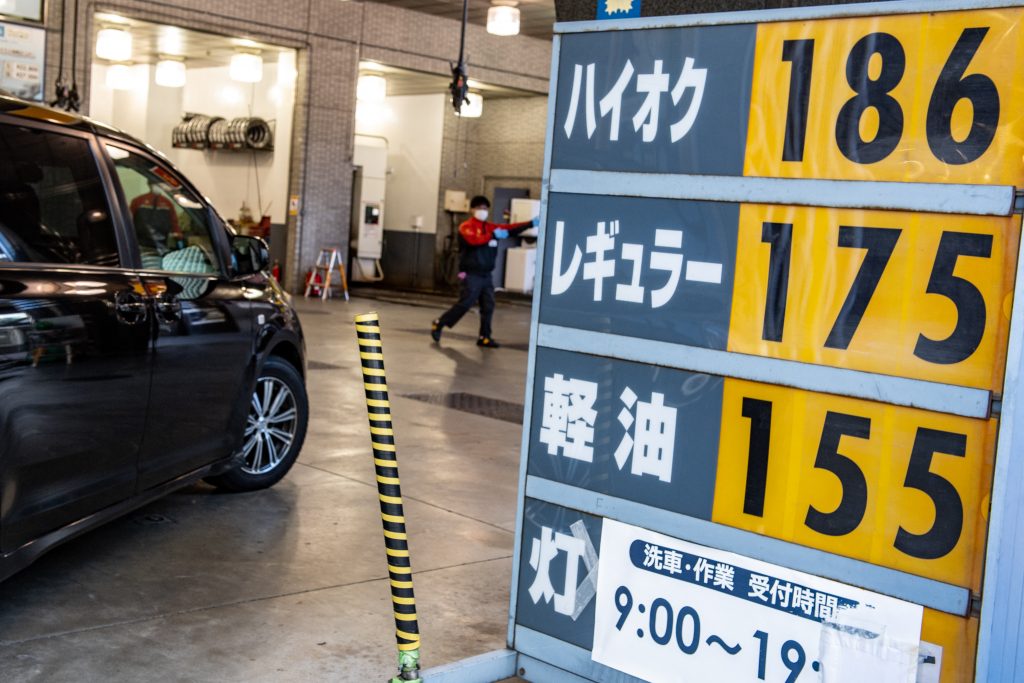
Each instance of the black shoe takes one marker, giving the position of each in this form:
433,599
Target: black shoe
435,330
487,342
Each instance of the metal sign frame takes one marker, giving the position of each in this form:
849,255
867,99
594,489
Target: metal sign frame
1002,604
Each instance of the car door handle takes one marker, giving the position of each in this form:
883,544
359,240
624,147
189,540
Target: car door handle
131,308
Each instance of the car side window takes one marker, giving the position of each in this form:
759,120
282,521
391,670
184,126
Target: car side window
53,206
171,224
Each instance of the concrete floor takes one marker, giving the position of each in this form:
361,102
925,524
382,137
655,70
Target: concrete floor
289,584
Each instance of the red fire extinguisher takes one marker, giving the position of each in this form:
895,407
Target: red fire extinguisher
313,281
275,270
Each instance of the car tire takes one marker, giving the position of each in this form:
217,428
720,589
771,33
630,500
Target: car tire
274,429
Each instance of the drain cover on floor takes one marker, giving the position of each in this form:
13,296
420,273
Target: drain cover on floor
478,405
153,518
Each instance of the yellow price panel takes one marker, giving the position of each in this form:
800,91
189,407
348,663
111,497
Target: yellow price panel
958,639
927,97
924,296
898,487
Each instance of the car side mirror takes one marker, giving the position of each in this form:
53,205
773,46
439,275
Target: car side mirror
249,255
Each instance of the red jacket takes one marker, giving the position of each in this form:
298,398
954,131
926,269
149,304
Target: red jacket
153,201
476,254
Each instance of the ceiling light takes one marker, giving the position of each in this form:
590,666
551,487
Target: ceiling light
474,108
503,20
111,18
246,67
120,77
170,73
371,88
114,44
171,41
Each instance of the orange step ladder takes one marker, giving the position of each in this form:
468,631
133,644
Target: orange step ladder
327,262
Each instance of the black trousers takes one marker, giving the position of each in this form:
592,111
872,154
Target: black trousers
476,287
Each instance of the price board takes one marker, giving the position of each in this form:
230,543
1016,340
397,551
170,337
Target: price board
775,348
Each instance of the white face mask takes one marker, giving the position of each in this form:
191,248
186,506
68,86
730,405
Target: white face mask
481,214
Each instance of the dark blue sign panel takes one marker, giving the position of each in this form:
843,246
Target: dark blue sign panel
667,100
558,572
653,268
639,432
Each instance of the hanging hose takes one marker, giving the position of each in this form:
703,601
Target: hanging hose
255,133
460,80
67,97
199,131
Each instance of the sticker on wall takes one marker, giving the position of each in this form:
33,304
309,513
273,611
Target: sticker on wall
618,9
293,205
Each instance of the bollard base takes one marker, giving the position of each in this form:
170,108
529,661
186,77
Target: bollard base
408,667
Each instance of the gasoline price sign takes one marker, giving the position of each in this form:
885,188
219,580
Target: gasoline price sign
803,372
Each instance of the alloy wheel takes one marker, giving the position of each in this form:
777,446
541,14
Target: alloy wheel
270,427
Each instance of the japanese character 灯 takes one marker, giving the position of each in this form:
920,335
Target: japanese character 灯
568,418
575,595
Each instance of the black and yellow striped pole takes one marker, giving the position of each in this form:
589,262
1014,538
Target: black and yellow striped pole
385,460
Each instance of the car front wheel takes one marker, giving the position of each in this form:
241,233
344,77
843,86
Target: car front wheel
274,429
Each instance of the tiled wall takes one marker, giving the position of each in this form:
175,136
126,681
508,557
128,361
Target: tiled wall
332,35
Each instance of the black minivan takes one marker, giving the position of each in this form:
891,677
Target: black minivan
142,345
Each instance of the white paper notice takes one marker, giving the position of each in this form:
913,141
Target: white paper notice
22,53
668,610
